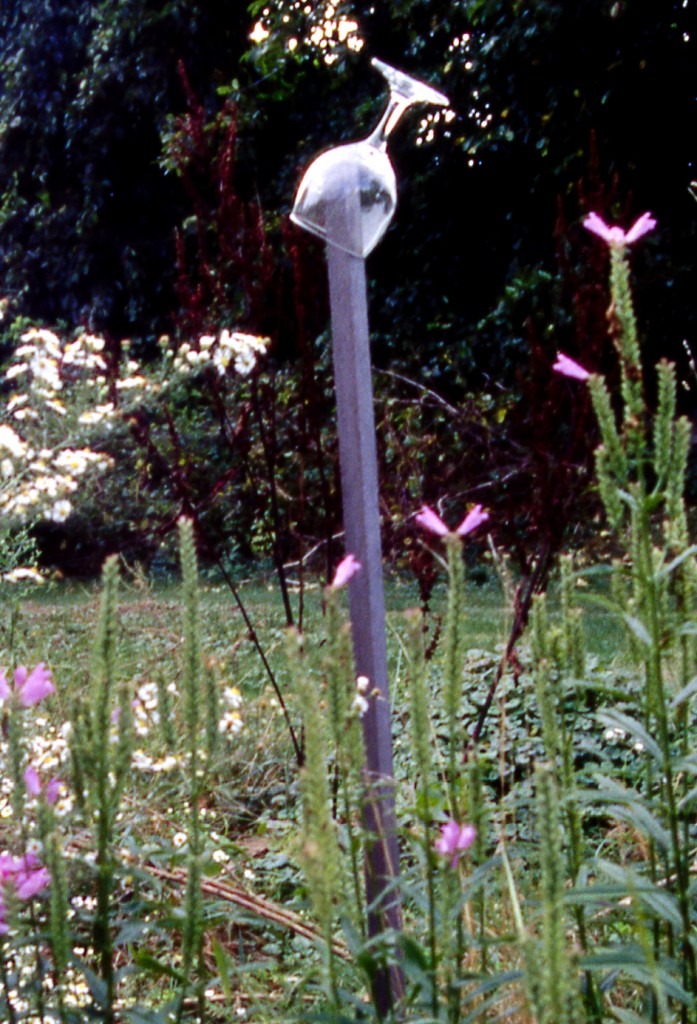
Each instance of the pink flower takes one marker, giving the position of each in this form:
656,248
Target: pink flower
474,518
23,876
454,839
34,787
32,781
30,687
431,521
569,367
346,568
616,236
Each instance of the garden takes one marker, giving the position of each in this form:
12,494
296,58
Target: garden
209,810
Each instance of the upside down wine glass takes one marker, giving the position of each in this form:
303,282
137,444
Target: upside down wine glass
362,168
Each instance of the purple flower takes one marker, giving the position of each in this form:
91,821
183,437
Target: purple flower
474,518
431,521
569,367
34,787
30,687
616,236
23,876
454,839
346,568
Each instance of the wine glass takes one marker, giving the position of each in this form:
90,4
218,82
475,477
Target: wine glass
361,168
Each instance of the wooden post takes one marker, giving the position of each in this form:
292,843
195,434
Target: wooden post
359,486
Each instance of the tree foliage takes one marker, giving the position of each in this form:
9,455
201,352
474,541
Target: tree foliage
88,213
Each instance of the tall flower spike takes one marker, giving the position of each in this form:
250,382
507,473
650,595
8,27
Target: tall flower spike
615,236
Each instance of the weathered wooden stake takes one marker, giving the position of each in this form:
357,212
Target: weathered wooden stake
359,486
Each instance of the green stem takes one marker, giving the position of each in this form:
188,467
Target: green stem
657,697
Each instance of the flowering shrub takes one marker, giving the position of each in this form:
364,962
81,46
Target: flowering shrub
72,414
51,381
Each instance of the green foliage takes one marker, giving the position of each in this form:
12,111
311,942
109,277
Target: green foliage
85,93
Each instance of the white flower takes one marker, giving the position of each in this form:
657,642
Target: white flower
46,369
14,444
18,575
75,460
245,362
16,370
47,338
128,383
232,697
360,703
96,344
56,406
221,360
230,723
179,839
60,511
96,415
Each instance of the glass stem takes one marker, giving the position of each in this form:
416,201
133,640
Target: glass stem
396,106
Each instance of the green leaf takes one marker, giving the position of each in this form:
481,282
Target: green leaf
687,799
657,901
225,968
687,691
643,821
630,960
144,959
597,895
672,566
637,627
413,952
96,985
628,1016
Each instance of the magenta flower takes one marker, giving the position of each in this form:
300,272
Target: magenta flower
616,236
569,367
454,839
23,876
30,687
474,518
431,521
346,568
34,787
